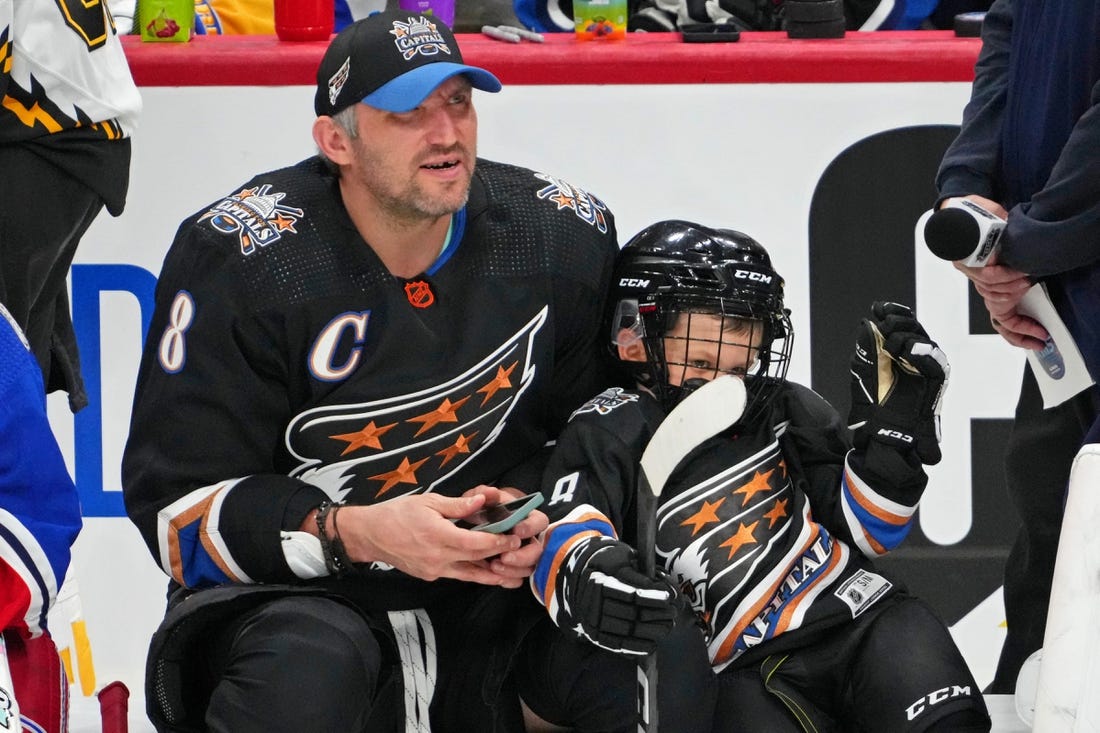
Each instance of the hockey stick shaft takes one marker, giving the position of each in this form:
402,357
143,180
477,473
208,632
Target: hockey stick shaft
701,415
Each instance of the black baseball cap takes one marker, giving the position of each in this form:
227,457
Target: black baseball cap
391,61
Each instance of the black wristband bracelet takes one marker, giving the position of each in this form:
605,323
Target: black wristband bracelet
339,552
333,563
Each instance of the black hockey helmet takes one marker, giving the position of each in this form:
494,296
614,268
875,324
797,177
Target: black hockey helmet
673,267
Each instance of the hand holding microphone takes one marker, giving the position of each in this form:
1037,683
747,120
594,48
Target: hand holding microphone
969,235
967,232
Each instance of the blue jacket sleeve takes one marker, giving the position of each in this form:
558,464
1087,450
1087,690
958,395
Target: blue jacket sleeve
971,164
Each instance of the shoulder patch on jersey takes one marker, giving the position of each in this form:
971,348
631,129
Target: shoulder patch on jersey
587,207
606,401
255,215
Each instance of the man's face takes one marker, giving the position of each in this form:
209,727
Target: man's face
705,345
418,164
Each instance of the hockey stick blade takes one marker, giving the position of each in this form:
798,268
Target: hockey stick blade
704,413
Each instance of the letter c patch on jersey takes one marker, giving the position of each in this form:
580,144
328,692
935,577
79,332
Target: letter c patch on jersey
419,293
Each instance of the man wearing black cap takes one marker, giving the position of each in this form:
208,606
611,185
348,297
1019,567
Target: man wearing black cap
347,356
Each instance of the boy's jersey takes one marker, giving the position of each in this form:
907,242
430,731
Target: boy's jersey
39,509
766,531
285,365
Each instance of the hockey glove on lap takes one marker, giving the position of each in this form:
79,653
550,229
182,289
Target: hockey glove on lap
899,375
604,597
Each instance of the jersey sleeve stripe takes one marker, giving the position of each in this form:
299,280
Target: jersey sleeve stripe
559,540
192,549
26,557
877,524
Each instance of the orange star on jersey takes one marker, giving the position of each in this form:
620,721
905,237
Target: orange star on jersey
403,474
758,483
777,512
284,223
368,437
444,413
708,514
461,445
739,540
497,383
563,200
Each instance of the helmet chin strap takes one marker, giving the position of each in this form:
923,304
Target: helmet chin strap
690,385
674,395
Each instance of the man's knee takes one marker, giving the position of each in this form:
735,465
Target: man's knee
298,663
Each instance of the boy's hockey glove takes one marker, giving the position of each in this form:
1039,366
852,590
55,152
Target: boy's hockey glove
604,597
899,376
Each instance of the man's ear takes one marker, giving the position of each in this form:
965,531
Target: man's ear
332,140
631,348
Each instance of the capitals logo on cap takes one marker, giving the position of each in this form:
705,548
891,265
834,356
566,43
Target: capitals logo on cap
336,81
418,36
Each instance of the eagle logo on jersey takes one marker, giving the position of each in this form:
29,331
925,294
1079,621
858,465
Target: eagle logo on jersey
606,401
255,215
747,557
418,36
587,207
409,443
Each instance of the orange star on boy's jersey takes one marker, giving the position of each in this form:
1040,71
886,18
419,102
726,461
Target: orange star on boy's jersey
742,538
758,483
707,514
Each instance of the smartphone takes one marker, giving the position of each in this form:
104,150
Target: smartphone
500,517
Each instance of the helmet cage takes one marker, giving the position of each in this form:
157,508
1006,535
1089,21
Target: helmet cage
730,275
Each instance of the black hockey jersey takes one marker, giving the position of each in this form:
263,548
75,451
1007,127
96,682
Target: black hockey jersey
285,365
767,531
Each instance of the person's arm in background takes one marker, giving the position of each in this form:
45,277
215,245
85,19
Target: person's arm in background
39,508
1056,231
971,169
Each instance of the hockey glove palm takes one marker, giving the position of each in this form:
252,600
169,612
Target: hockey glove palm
899,376
604,597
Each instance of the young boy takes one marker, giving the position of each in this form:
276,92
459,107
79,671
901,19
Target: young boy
767,531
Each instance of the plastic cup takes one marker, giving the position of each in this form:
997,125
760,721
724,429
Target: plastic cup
166,20
304,20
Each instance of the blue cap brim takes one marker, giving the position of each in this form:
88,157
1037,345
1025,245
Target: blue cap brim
407,91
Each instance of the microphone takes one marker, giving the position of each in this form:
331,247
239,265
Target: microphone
962,230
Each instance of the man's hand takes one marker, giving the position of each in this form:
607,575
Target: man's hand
899,375
515,566
604,597
1001,288
416,535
